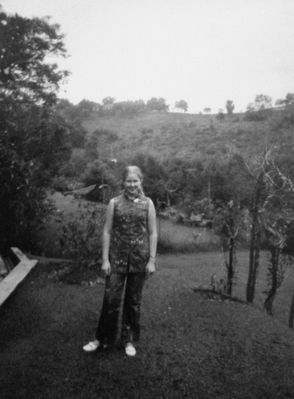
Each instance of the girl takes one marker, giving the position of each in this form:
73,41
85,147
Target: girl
129,250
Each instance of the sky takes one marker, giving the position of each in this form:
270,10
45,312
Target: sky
203,51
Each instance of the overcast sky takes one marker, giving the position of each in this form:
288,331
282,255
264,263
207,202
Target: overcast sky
203,51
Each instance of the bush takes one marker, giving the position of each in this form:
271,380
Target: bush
75,235
257,116
81,238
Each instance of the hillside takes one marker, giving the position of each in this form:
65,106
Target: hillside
188,136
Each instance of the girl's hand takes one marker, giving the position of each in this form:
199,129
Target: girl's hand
150,267
106,268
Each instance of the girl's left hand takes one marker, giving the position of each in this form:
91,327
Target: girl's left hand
150,268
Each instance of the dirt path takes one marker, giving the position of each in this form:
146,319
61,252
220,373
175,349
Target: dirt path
191,346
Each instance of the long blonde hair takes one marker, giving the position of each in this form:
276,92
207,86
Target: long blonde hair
132,169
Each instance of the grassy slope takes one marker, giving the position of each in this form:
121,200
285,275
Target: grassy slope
187,136
191,346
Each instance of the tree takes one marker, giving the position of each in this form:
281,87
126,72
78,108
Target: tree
182,104
262,102
130,108
255,233
32,136
271,210
85,108
277,212
154,176
91,148
108,101
288,101
227,223
230,107
260,109
276,240
207,110
73,121
25,73
157,104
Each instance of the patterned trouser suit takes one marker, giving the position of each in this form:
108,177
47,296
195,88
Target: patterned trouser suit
129,253
121,290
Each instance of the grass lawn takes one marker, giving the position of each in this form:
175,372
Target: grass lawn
192,345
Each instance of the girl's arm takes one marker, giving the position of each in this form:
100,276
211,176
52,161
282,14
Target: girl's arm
152,228
106,238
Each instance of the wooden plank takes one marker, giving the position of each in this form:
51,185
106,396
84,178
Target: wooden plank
21,256
16,276
3,268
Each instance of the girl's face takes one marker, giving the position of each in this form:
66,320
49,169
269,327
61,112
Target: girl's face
132,183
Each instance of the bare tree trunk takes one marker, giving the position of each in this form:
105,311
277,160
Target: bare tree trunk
231,266
268,303
291,315
229,252
252,264
254,243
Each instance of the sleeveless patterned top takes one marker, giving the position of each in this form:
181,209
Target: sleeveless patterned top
129,247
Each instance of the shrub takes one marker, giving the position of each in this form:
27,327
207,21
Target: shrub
81,236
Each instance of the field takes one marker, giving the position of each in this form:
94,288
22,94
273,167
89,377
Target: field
176,237
193,345
187,136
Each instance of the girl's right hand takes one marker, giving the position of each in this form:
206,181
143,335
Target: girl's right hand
106,268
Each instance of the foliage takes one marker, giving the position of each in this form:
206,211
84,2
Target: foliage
85,108
108,101
80,236
129,108
154,176
33,140
285,113
25,73
105,176
288,101
157,104
230,107
182,104
278,211
105,136
91,148
75,165
73,116
227,224
271,211
220,115
261,109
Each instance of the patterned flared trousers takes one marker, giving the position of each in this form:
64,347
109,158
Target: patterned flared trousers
121,291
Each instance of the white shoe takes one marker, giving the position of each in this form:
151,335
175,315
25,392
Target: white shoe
92,346
130,349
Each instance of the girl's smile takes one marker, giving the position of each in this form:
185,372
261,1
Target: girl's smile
132,183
